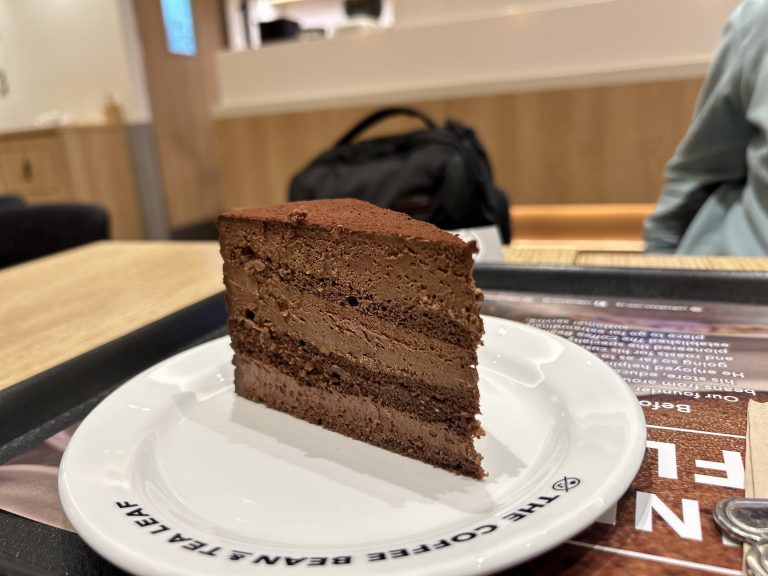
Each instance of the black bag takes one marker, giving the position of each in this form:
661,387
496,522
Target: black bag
440,174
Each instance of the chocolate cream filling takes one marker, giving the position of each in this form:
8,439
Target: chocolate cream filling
310,368
430,321
422,275
360,418
344,331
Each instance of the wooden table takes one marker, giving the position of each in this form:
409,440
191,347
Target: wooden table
625,254
57,308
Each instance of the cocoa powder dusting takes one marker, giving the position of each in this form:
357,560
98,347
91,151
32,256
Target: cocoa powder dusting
297,216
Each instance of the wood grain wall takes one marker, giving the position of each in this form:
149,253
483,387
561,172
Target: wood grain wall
586,145
100,172
182,93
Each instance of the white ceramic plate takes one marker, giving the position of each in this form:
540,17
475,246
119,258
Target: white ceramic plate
174,474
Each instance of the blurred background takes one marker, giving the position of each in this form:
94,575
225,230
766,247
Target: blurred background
167,112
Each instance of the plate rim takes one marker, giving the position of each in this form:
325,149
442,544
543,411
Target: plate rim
113,550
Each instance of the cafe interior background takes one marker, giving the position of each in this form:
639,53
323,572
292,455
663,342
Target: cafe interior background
166,113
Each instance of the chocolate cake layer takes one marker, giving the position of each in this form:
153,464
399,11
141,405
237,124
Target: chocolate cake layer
344,331
427,320
408,271
312,368
401,264
360,418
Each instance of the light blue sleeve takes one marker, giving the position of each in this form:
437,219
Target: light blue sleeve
713,152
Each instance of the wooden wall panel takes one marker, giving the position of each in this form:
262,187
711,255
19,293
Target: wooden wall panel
603,144
591,145
100,172
182,94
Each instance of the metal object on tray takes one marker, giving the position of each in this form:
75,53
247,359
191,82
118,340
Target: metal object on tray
746,520
756,560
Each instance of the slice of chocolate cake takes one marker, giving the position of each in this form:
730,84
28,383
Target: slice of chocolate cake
359,319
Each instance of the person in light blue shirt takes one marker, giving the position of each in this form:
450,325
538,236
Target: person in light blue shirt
715,199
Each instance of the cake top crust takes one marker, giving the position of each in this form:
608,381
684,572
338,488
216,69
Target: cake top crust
353,215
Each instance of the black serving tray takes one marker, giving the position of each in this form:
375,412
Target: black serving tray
36,408
674,284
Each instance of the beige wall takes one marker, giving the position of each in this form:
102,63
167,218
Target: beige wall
67,57
541,45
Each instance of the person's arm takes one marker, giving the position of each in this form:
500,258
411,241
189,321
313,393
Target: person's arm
713,150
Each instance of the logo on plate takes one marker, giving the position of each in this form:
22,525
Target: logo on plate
566,483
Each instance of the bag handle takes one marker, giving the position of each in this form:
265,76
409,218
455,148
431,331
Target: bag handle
378,116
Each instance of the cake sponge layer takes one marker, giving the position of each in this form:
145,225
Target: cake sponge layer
312,368
419,316
359,418
408,271
336,328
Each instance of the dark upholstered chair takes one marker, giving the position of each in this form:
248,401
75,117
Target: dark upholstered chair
11,201
28,232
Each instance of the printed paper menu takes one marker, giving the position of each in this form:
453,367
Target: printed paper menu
694,367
